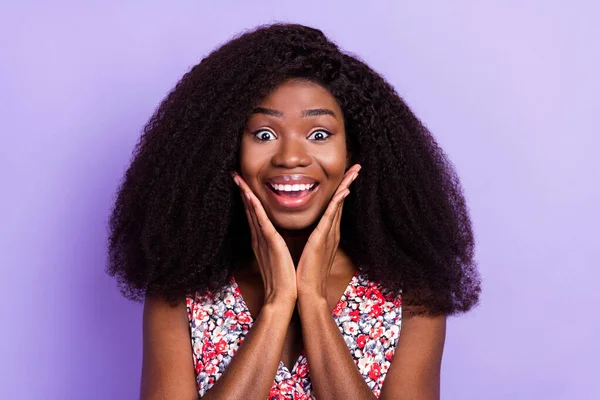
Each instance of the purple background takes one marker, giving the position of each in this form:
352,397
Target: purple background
509,88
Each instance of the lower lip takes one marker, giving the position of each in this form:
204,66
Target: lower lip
291,202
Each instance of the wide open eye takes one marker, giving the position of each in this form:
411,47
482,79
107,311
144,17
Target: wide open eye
264,135
319,135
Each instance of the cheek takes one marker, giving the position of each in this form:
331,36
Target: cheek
252,160
334,163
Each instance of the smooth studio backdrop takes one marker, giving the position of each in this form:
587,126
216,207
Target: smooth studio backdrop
509,88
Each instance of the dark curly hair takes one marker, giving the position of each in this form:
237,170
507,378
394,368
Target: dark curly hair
178,224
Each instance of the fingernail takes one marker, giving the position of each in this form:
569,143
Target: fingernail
358,168
235,179
347,193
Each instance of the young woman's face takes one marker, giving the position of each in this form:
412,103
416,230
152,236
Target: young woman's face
293,153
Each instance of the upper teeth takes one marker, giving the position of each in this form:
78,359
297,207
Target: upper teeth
292,188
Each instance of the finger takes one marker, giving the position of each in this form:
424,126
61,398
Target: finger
262,219
247,193
333,237
326,221
244,191
334,234
355,168
349,177
335,225
258,232
338,217
254,230
259,214
252,205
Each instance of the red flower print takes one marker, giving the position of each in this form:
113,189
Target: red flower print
374,294
377,332
300,396
221,347
219,325
389,355
339,308
229,300
286,387
360,291
210,369
375,371
375,311
350,328
199,367
361,340
202,315
244,318
385,342
302,370
209,354
369,293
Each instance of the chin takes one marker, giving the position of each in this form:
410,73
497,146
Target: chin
291,222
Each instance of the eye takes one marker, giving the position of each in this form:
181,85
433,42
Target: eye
319,135
264,135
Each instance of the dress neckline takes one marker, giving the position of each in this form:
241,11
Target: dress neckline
302,357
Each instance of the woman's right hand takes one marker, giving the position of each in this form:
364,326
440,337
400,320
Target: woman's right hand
271,252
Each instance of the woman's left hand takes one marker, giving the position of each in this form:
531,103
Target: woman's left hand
320,249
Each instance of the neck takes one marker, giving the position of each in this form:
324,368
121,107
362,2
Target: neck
295,241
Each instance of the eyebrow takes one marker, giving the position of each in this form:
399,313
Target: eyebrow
268,111
315,112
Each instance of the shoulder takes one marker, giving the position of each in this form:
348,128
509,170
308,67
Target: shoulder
167,356
157,308
416,366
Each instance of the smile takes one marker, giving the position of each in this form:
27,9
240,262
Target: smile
292,188
291,192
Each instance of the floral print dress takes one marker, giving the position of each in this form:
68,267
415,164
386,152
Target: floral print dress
369,322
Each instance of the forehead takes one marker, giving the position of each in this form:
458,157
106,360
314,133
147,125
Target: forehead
296,95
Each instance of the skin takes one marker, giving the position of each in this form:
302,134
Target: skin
298,275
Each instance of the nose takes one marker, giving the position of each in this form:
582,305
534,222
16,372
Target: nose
291,153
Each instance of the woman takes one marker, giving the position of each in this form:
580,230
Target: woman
293,228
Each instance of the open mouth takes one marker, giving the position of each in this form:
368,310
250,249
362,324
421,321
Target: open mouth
292,191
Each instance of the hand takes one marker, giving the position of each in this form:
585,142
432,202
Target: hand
320,249
271,252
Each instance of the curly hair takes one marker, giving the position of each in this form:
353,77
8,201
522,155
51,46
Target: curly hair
178,224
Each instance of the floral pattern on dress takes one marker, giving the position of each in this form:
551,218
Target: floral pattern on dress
369,321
